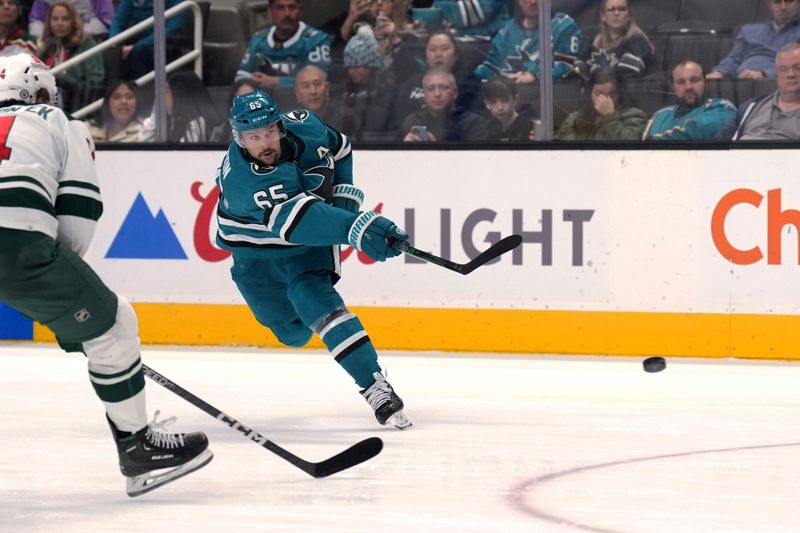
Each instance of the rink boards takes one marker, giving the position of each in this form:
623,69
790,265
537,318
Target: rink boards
625,252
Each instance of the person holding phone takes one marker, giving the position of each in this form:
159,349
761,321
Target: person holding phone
440,120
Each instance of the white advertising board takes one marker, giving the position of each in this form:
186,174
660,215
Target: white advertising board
603,231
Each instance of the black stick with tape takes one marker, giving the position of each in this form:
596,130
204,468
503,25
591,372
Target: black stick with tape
496,250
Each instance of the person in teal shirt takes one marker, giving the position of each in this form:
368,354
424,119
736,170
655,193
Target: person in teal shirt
693,117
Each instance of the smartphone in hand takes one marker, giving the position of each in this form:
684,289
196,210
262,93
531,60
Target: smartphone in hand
421,132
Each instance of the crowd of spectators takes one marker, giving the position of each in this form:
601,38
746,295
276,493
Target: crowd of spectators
432,71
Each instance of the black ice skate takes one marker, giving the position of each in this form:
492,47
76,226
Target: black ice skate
385,402
150,458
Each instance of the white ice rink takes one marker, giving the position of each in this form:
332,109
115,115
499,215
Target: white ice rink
500,444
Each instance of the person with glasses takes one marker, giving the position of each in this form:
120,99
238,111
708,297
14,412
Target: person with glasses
603,114
619,42
756,45
775,116
693,117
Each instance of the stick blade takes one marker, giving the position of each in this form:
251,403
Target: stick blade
352,456
496,250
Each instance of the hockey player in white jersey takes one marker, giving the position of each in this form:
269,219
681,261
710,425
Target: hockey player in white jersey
49,205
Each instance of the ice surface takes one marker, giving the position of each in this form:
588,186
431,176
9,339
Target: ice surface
499,443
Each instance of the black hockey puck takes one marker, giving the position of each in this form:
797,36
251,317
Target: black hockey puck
654,364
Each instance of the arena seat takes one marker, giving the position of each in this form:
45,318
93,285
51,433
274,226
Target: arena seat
649,94
650,13
707,50
583,11
729,89
224,44
726,15
764,86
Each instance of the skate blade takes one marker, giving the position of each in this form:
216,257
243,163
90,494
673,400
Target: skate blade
138,485
399,420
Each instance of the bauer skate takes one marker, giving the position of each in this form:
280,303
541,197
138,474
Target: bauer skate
151,458
385,402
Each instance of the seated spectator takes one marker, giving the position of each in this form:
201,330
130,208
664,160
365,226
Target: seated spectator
312,91
63,38
619,42
191,116
441,50
474,18
13,39
775,116
137,52
509,122
367,95
753,53
603,114
96,16
393,31
278,51
693,117
439,120
118,120
515,48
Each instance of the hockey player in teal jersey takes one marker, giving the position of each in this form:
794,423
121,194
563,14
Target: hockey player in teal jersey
276,53
515,48
49,205
286,202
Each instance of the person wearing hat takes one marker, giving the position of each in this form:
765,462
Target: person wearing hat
367,93
13,39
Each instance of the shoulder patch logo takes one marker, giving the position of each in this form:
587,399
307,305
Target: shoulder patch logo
297,115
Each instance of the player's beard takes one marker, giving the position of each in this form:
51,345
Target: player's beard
268,156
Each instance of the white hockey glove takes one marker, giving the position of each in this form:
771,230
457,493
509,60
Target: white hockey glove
348,197
370,232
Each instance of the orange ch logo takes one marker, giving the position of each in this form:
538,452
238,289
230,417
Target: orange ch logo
776,220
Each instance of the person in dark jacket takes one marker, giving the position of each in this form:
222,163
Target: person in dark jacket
441,50
440,120
367,94
509,122
619,42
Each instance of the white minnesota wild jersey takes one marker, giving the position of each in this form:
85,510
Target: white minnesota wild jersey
48,181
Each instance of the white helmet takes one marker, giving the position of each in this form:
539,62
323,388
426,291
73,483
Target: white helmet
22,76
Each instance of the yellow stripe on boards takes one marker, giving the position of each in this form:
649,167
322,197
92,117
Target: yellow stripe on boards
493,330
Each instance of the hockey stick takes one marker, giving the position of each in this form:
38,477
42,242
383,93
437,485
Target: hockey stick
496,250
355,454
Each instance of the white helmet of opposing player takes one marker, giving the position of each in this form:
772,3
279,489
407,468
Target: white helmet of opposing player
25,78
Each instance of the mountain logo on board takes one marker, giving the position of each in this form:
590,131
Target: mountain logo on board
144,236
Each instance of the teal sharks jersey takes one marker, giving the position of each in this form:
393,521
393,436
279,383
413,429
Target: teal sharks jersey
267,210
322,153
308,46
515,49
